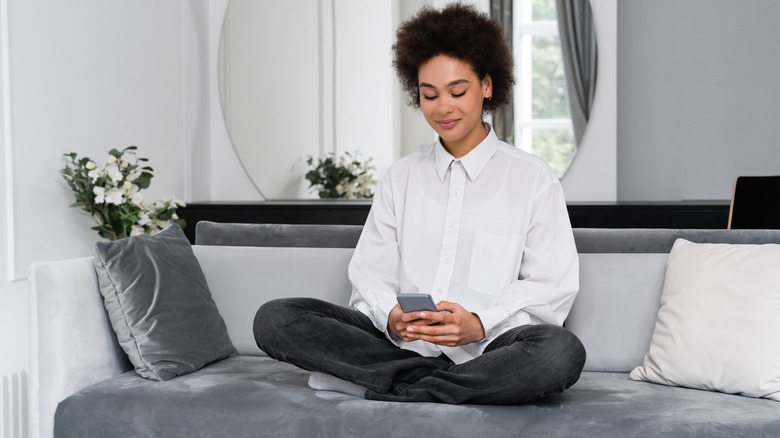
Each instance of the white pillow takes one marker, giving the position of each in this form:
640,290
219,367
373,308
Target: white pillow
718,327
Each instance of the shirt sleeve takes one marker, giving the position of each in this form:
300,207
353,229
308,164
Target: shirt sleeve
549,271
374,270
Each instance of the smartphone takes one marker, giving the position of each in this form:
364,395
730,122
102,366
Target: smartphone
415,302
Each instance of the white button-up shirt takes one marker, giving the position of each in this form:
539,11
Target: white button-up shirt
489,231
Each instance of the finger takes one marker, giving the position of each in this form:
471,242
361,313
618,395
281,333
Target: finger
407,338
422,322
401,327
411,316
436,317
428,330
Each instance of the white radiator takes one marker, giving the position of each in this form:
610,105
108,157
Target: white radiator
13,406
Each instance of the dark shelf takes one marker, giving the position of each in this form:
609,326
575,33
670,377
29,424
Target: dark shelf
682,215
675,215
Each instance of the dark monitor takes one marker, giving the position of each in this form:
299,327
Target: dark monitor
755,203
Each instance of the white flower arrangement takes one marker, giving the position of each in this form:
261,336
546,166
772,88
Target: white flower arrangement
345,177
111,194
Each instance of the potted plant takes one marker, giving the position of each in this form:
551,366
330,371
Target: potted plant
111,194
344,177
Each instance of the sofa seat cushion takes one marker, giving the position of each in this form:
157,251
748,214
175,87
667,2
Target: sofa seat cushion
257,396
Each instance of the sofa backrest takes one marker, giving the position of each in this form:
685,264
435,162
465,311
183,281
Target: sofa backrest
279,235
241,279
621,279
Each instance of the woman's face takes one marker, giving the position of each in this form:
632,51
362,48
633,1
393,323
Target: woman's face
451,97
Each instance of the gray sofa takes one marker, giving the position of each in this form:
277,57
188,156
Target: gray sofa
82,384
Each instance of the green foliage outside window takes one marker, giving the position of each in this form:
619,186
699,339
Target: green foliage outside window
544,10
549,95
549,80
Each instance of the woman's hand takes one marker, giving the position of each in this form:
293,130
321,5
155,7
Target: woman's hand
398,322
455,327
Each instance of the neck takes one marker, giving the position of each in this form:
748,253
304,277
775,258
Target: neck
460,148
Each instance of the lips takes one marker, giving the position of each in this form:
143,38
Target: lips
448,124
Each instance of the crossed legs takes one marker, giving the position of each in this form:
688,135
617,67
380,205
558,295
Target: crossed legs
522,365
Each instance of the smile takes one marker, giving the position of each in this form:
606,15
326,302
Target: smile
448,124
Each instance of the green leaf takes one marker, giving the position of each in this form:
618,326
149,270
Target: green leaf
144,180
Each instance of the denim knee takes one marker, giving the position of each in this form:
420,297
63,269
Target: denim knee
571,355
269,320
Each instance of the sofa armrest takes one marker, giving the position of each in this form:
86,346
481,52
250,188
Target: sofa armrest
72,342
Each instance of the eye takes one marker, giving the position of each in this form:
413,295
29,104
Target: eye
429,97
459,95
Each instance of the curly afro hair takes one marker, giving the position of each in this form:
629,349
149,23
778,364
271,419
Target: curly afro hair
459,31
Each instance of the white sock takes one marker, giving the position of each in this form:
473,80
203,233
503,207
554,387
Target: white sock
326,382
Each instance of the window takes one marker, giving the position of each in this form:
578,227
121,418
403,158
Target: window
542,120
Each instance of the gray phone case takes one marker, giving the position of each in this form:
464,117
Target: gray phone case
415,302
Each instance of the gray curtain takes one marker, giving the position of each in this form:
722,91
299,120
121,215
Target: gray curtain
504,118
580,58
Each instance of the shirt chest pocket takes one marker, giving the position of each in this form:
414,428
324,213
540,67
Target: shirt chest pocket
493,261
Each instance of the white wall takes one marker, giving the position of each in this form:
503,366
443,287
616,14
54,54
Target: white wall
85,76
698,97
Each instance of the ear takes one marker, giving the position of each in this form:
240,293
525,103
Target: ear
487,87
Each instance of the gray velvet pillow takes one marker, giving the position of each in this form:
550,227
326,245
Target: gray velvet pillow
159,304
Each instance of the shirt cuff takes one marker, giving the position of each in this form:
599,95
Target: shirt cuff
379,315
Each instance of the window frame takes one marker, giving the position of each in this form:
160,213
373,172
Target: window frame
525,29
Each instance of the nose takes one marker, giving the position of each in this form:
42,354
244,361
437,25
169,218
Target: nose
445,105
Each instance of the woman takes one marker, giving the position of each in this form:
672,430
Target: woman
478,224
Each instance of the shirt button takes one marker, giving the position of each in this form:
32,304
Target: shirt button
457,192
439,291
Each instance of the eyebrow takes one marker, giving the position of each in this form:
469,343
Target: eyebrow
451,84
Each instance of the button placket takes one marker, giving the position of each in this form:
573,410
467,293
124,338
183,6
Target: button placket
451,233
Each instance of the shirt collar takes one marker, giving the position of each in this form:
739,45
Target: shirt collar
474,162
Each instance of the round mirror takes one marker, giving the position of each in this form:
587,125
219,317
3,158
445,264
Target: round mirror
308,78
270,89
315,77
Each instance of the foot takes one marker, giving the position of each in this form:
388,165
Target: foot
326,382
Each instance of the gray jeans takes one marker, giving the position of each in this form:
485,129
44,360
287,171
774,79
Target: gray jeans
524,364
